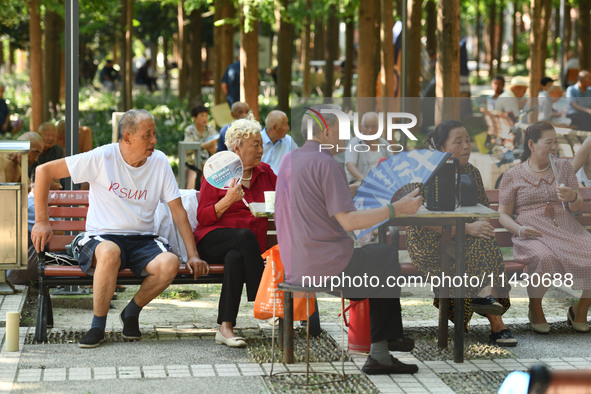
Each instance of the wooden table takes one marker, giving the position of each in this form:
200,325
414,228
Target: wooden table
447,220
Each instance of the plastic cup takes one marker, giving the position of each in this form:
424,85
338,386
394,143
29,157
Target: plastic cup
270,201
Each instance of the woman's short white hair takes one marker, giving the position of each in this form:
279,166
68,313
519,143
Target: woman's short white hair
240,129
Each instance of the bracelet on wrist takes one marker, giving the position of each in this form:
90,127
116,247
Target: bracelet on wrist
519,231
392,211
574,200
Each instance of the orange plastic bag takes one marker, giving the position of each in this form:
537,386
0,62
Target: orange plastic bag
267,296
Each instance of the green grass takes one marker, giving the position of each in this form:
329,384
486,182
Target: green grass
179,294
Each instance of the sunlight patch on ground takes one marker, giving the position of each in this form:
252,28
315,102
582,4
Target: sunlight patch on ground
186,304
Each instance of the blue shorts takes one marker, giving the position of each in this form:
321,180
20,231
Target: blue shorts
136,251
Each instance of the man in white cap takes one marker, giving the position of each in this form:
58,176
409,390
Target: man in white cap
508,102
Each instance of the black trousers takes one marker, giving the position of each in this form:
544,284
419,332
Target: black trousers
239,251
581,119
381,261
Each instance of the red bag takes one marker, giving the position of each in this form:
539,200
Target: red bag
267,296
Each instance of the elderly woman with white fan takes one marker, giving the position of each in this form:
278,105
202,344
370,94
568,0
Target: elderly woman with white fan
536,199
228,233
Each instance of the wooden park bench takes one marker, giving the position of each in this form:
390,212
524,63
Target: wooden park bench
70,208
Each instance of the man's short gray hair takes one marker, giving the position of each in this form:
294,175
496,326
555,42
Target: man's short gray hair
368,115
45,127
274,118
240,129
130,120
330,119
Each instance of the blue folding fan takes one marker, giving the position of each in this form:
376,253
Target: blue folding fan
382,183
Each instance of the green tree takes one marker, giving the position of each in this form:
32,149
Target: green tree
35,65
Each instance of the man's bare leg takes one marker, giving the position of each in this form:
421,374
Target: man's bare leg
106,262
161,272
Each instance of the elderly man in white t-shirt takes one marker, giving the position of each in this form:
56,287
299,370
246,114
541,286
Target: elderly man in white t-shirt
362,156
510,101
128,179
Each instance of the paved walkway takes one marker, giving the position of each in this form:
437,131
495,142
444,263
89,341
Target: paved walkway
191,361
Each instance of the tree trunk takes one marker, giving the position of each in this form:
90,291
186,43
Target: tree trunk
10,59
377,53
274,37
306,51
51,64
332,33
218,71
62,75
36,65
568,25
182,51
196,66
413,77
126,55
284,57
523,10
556,36
175,46
546,13
478,39
319,35
447,69
576,32
224,47
499,51
398,7
129,52
249,63
585,35
366,86
349,55
165,60
228,55
514,35
82,47
114,50
431,26
492,11
1,53
387,52
535,47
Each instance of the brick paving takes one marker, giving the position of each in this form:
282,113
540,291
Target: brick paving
427,380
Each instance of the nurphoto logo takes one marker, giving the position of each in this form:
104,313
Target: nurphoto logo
344,121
